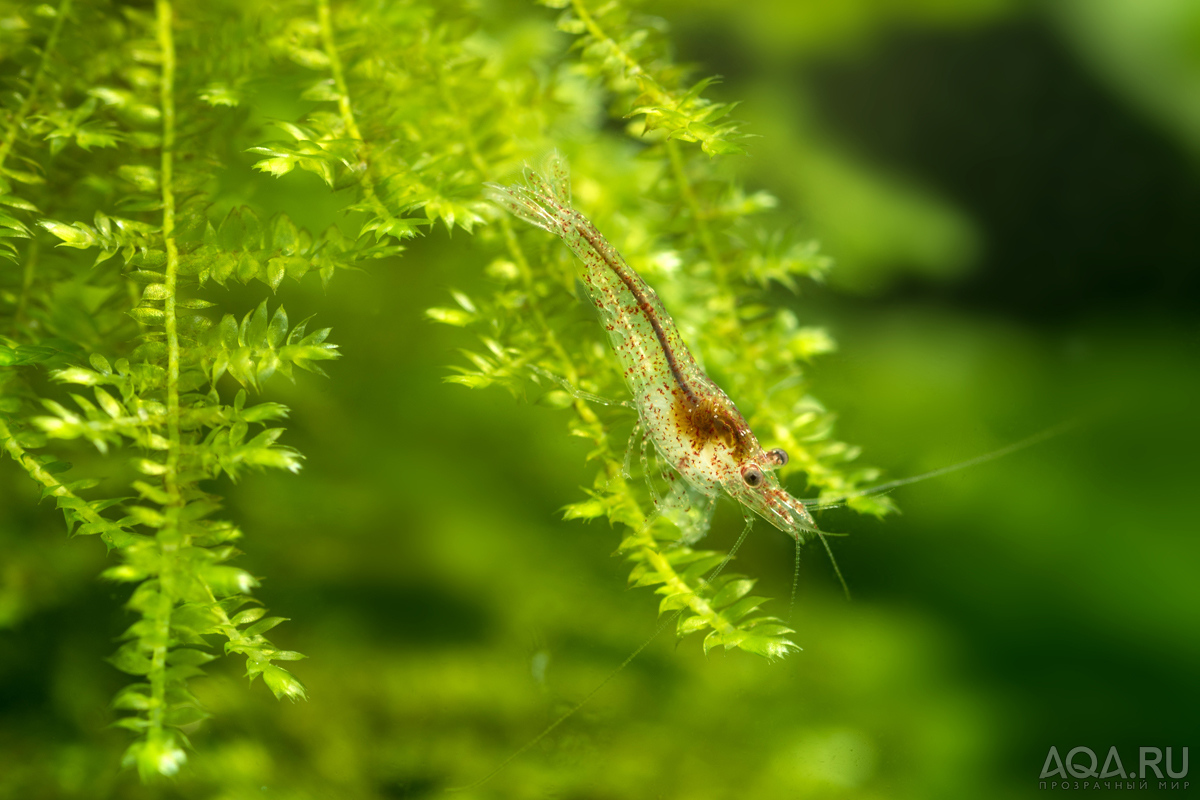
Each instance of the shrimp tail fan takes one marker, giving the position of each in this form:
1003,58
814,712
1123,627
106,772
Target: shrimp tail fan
544,199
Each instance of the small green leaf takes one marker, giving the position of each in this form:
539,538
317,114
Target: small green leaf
283,683
276,166
77,375
225,581
144,178
587,509
78,235
99,363
220,94
732,591
135,697
147,315
188,655
450,316
262,626
743,607
250,615
124,573
129,658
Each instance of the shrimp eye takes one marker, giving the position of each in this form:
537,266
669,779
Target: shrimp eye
753,476
779,456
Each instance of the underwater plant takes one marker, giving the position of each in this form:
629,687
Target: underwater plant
128,353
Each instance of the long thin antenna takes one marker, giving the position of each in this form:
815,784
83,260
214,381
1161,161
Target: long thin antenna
712,576
570,712
882,488
573,709
1029,441
795,581
832,560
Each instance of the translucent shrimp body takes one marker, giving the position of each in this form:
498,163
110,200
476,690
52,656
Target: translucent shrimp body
694,426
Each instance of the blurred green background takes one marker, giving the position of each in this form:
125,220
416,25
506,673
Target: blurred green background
1011,193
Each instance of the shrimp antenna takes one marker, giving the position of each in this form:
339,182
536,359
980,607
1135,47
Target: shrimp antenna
587,698
712,576
882,488
837,570
795,581
569,712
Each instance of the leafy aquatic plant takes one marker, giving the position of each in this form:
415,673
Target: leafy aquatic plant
695,238
125,221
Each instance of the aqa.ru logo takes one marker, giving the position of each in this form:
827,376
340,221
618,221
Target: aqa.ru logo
1081,763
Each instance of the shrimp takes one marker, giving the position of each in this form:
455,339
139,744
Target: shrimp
694,426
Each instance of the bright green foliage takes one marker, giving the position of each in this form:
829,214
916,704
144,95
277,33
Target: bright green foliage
127,337
634,60
123,237
696,240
